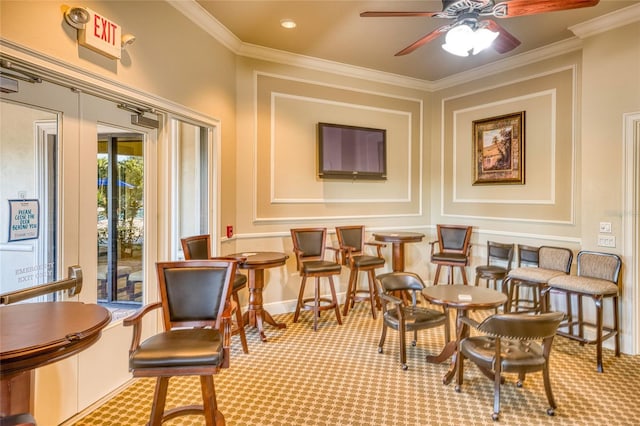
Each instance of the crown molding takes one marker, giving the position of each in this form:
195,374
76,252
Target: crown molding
532,56
199,16
607,22
280,56
196,13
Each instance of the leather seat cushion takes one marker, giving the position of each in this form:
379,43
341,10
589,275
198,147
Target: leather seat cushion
536,275
416,318
320,266
365,260
449,257
491,270
179,348
239,282
515,355
586,285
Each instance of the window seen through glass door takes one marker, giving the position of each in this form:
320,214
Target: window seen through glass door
192,175
120,197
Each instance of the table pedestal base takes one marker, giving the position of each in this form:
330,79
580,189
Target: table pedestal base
256,315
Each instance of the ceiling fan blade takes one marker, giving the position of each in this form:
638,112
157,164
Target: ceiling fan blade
532,7
381,14
506,41
423,40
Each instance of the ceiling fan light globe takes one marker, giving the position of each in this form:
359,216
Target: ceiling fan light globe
459,40
482,39
454,50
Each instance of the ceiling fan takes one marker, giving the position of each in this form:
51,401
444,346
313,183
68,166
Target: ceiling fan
472,28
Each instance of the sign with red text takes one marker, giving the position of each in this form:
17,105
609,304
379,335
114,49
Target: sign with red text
102,35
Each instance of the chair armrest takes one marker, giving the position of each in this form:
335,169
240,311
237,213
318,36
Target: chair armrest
136,321
337,251
377,245
390,298
299,253
433,244
346,252
229,309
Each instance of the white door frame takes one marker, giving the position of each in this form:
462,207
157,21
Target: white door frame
631,227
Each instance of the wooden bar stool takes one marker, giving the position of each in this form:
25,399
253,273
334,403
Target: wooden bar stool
552,262
351,240
309,245
499,258
597,278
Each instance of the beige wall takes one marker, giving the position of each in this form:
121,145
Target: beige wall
611,88
278,187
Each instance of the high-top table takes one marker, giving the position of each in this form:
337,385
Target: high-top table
255,263
398,240
36,334
462,298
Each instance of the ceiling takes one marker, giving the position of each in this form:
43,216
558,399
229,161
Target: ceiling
334,31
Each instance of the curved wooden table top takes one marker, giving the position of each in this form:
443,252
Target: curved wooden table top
37,334
259,259
398,237
461,296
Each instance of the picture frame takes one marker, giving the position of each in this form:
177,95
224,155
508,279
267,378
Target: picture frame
498,150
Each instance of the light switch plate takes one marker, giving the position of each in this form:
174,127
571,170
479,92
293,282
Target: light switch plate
605,227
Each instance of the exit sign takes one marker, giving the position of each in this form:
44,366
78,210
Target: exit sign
102,35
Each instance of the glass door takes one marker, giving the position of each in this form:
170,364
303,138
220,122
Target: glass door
120,209
54,146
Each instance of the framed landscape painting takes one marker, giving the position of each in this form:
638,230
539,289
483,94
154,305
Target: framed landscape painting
498,149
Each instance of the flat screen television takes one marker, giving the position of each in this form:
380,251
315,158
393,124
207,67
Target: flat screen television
350,152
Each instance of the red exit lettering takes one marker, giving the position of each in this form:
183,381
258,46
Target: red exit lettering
104,29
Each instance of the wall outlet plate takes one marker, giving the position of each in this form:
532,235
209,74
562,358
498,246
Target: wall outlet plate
606,241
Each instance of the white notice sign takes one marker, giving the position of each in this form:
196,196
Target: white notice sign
24,221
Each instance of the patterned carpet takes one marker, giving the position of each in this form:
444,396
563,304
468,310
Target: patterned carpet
335,376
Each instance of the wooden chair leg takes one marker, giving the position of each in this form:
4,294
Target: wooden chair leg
497,382
403,348
159,400
547,390
463,271
334,299
383,337
240,323
300,298
372,293
435,279
212,416
316,304
598,300
350,296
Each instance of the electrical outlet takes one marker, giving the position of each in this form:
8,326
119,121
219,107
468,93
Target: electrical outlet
605,227
606,241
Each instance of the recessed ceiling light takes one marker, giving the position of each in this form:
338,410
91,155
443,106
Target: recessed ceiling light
287,23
